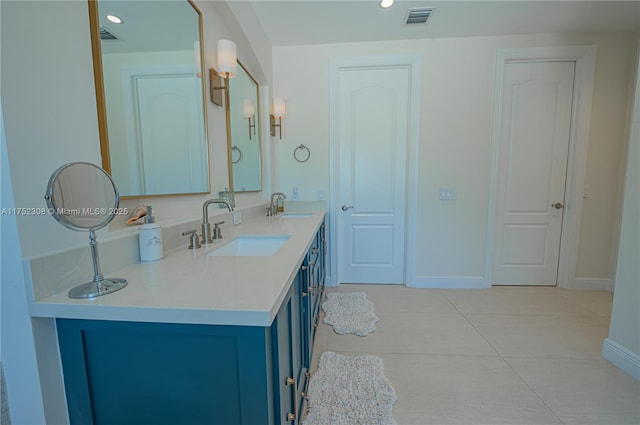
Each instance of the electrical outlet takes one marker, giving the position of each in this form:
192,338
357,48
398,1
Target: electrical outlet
295,192
237,217
448,195
321,195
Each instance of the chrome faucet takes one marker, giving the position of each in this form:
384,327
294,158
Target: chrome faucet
273,209
206,227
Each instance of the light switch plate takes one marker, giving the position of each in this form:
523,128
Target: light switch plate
237,217
448,194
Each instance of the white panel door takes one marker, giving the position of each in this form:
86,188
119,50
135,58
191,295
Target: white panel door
170,139
373,115
534,142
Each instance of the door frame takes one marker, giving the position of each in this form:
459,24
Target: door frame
585,60
412,63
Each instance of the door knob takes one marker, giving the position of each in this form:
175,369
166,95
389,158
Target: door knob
557,205
344,207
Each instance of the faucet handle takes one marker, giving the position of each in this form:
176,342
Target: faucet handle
217,233
194,243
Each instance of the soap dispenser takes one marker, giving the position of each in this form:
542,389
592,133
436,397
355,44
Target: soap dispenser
150,239
280,203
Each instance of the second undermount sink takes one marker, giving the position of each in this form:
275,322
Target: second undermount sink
251,246
296,215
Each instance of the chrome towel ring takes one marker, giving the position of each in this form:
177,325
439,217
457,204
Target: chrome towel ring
236,149
300,155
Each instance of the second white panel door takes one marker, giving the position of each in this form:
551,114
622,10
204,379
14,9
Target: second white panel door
373,106
534,142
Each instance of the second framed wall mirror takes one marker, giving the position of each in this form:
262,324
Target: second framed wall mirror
243,132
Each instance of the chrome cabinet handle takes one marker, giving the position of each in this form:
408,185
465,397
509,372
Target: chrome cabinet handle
344,207
557,205
293,416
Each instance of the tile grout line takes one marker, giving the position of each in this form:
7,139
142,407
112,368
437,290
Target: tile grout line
534,391
514,371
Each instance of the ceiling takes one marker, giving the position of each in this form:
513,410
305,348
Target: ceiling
301,22
149,26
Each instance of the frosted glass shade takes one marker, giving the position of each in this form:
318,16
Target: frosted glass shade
227,58
248,109
279,108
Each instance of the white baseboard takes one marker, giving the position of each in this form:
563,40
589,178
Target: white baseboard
447,282
622,357
328,281
593,284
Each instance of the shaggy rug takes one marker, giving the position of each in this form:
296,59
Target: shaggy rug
349,313
350,390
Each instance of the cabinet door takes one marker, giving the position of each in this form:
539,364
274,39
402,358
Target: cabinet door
130,373
307,309
288,350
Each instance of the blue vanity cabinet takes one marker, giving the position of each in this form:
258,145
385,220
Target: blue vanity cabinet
120,373
161,373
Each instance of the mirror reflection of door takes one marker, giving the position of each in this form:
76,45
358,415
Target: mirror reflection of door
244,142
154,104
164,131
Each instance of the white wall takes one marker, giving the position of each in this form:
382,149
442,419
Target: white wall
19,353
624,330
455,140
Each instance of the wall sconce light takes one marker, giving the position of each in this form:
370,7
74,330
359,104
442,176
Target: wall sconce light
249,112
227,63
279,113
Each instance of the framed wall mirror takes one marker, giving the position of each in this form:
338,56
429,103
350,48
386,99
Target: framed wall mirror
243,132
150,90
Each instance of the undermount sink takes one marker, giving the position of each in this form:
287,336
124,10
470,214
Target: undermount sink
296,215
251,246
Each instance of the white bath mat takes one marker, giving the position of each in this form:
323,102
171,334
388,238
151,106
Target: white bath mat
350,390
349,313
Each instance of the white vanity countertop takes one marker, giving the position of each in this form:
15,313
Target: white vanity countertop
188,286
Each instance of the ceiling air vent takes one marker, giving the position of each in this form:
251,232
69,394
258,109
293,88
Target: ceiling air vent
418,16
106,35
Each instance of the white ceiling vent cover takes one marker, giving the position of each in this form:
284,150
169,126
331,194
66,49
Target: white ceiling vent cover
418,16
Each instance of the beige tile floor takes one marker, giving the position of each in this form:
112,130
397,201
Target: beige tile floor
507,355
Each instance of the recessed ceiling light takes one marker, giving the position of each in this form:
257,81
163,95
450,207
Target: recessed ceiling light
386,3
115,19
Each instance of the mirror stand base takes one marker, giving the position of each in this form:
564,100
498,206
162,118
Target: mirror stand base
96,289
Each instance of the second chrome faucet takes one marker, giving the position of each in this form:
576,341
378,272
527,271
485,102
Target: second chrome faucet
206,226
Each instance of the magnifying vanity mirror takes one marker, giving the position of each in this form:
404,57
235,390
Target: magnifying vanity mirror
82,196
151,95
243,132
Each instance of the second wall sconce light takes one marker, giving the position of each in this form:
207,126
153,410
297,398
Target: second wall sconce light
227,63
249,112
279,113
